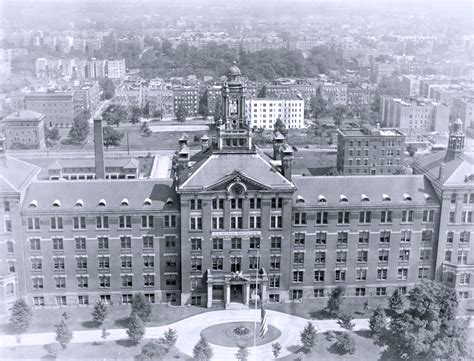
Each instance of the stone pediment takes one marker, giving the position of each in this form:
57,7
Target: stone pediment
237,184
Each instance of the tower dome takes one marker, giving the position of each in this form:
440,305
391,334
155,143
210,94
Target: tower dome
234,71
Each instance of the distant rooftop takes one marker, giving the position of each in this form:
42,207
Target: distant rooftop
22,115
365,131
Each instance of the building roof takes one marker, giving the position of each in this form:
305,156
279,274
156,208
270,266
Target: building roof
114,192
15,174
395,189
89,163
23,115
213,169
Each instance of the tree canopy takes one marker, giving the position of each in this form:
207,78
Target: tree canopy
21,316
112,137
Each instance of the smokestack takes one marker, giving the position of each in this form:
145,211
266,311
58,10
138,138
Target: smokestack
442,167
278,141
204,142
287,162
99,148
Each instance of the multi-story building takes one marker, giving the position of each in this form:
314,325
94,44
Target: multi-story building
358,99
373,151
116,68
72,169
335,94
24,129
463,108
187,97
58,107
263,113
232,225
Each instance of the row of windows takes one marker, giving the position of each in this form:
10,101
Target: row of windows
236,203
466,217
84,299
466,198
236,222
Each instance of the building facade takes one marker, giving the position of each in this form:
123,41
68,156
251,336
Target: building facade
24,129
58,107
263,113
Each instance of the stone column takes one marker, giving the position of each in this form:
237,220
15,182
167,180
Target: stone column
247,293
209,295
227,294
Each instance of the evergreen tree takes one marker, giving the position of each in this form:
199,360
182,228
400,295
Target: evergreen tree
181,113
339,113
100,312
217,110
104,334
79,130
276,349
153,350
170,337
318,105
377,322
335,300
135,115
242,352
136,328
345,320
202,351
308,336
345,343
64,334
279,126
141,307
108,88
203,109
21,316
112,137
395,302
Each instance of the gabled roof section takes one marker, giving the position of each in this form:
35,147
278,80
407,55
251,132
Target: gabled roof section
15,174
218,167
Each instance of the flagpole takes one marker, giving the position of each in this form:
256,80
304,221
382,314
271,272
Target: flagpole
256,307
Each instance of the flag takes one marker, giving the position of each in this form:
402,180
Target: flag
263,322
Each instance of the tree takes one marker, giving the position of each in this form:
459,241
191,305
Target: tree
153,350
100,312
141,307
135,115
112,137
335,300
52,349
262,93
279,126
79,130
338,114
377,322
428,328
217,110
104,334
145,129
276,349
345,343
170,337
21,316
202,351
411,149
345,320
157,114
181,113
115,114
63,332
242,352
318,105
51,134
108,88
136,328
308,336
203,109
396,302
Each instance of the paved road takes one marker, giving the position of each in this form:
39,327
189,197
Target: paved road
87,153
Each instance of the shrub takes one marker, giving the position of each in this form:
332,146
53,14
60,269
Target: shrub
345,343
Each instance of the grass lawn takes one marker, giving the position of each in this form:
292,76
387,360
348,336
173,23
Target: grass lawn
325,349
81,319
113,350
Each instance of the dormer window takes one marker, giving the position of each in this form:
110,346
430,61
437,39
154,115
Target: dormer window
322,199
386,198
102,203
56,203
407,197
79,203
147,202
33,204
299,199
364,198
124,202
343,198
427,197
169,201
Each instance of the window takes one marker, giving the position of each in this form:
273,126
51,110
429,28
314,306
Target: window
127,281
102,222
404,255
341,256
195,223
104,262
321,217
426,236
147,221
298,276
428,215
360,291
466,217
464,278
196,244
196,264
236,203
462,256
320,257
171,261
35,244
126,261
59,281
319,275
148,242
423,272
297,295
275,262
464,237
254,262
6,206
254,243
170,241
217,243
452,217
196,300
343,217
217,263
125,242
299,218
321,238
218,222
58,263
195,204
36,264
364,217
361,274
364,237
148,280
275,242
381,291
386,217
80,243
37,283
383,255
277,203
61,300
382,274
58,244
407,216
125,222
103,242
402,273
235,263
405,235
81,263
38,301
342,237
298,258
217,203
255,203
453,198
236,243
33,224
319,292
276,221
236,222
170,221
11,248
273,281
105,299
56,223
79,222
448,255
300,238
148,260
384,236
340,275
82,281
362,255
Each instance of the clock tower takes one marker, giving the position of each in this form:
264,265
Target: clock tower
233,132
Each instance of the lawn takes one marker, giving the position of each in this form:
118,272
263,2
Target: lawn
81,319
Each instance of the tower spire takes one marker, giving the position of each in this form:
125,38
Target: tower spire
456,141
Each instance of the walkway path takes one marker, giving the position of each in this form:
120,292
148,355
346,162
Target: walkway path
189,330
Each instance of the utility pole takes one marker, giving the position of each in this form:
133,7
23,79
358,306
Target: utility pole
128,146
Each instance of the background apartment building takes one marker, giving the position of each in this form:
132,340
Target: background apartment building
263,113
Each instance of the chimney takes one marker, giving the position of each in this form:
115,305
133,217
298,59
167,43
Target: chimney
183,141
278,140
204,142
442,167
183,157
287,162
99,148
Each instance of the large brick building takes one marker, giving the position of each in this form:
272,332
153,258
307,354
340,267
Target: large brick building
234,223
